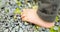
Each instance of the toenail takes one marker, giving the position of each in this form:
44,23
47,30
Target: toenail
23,16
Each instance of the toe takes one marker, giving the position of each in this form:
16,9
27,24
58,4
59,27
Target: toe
23,15
24,18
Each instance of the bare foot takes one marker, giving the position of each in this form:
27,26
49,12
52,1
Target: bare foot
31,16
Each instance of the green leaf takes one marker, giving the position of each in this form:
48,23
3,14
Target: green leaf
57,18
59,29
18,3
52,30
17,11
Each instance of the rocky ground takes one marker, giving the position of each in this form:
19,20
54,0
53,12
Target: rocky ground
10,18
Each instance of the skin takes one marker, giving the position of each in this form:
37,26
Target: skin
30,15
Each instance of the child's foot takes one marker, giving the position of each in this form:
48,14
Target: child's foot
31,16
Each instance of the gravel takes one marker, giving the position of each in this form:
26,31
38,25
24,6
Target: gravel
9,23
